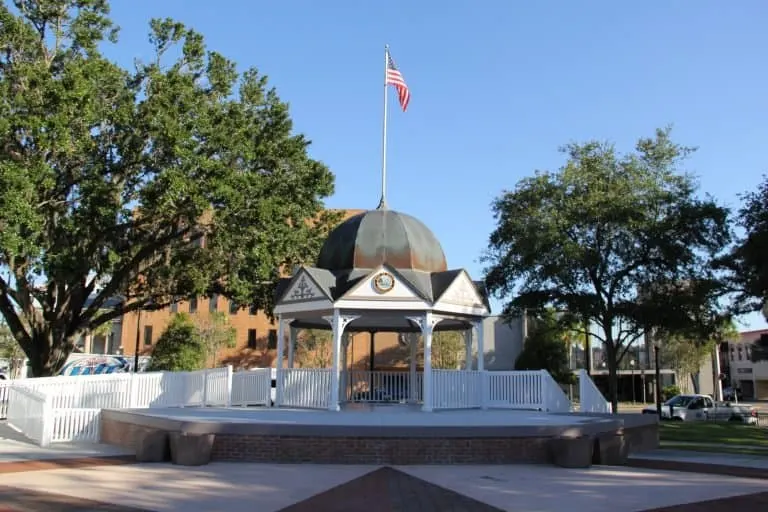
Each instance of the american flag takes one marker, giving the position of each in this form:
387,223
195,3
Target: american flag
394,77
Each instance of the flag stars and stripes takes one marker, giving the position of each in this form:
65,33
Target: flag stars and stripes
395,78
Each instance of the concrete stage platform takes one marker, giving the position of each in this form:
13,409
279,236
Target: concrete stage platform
379,434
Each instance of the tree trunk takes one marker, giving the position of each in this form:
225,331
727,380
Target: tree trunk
613,377
695,382
48,355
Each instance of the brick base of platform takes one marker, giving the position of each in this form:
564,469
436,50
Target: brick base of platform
400,450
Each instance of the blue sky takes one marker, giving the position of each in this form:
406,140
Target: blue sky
496,88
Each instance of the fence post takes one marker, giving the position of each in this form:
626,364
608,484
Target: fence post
132,391
268,387
48,422
229,386
184,387
485,391
205,388
544,390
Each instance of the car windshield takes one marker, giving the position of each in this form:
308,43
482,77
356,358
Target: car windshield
680,401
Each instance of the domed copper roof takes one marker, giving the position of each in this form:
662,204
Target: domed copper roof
382,236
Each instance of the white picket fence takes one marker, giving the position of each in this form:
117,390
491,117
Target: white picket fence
5,386
382,386
451,389
306,387
252,387
72,405
591,400
31,413
62,409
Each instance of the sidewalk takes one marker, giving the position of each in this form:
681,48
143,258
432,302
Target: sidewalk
746,466
15,448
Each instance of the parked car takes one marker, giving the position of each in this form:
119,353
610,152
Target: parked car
702,407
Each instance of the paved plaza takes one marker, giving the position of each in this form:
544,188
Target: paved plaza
235,487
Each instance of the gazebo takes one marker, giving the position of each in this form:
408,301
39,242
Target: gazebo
384,271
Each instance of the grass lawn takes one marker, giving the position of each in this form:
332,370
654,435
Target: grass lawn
712,432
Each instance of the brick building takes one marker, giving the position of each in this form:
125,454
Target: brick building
256,335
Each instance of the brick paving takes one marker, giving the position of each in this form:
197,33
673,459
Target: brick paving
22,500
80,462
389,490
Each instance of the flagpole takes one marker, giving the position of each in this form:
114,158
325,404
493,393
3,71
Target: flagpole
383,202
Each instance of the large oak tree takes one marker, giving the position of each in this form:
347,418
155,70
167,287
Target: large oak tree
177,178
749,259
622,242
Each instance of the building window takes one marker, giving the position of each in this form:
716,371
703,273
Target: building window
147,335
741,355
233,307
272,340
174,307
193,305
213,303
252,310
251,338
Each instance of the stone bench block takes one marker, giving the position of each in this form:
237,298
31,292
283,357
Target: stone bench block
612,450
191,449
572,452
151,445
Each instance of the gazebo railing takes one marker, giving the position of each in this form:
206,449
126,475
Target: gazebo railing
383,386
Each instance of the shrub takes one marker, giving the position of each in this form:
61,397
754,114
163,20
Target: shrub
668,392
179,348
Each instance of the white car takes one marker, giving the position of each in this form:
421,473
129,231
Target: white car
702,408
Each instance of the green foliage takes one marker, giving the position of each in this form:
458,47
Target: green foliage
748,260
668,392
179,348
215,333
621,242
10,350
314,348
448,350
176,178
546,348
686,353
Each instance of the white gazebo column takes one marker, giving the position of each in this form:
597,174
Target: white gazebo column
468,349
427,324
292,340
344,365
280,384
413,380
480,346
338,323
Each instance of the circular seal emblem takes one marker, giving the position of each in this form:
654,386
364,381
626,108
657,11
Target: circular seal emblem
383,282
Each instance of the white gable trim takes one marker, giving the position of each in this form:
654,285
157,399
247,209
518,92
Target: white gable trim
303,288
461,293
461,310
390,305
365,290
303,307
